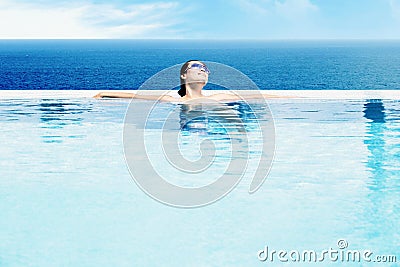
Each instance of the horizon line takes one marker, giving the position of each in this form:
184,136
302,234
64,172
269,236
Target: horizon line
200,39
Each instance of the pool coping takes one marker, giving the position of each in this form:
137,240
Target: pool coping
310,94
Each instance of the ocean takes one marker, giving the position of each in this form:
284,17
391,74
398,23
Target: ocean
127,64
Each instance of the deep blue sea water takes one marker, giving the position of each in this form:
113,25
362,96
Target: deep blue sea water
126,64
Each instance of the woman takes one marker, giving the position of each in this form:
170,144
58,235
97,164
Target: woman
193,76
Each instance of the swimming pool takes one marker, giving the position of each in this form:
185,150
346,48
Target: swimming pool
67,197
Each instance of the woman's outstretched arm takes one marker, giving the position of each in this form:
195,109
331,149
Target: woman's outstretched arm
222,96
132,95
114,95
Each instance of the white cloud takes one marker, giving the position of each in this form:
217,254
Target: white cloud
24,21
395,6
283,19
286,8
294,9
260,7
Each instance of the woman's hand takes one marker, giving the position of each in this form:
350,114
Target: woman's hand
99,95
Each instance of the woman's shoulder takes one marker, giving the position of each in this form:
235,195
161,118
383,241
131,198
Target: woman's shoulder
223,96
168,98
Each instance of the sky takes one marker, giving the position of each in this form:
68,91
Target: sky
206,19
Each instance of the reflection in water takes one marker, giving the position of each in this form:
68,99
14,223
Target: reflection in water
55,114
208,139
12,110
59,110
212,119
374,111
216,121
381,140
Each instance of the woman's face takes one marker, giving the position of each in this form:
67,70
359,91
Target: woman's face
196,72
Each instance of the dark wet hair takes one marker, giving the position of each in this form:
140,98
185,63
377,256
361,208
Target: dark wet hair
182,91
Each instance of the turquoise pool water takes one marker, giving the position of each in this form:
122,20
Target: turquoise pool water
67,198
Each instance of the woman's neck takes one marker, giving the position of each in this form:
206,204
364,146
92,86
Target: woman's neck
193,90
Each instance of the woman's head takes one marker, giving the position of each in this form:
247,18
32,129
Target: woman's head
192,71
